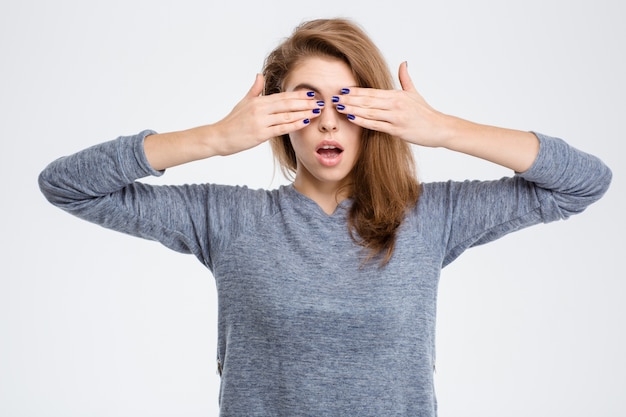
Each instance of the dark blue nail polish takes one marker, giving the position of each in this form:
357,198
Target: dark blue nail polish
306,121
335,99
310,93
345,91
317,111
340,107
320,103
351,117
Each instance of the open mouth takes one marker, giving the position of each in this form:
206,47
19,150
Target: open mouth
329,151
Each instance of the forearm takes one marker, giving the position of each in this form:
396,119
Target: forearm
510,148
166,150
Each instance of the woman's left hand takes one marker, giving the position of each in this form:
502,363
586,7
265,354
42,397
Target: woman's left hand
401,113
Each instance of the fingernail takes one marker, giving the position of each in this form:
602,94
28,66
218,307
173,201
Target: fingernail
351,117
310,93
340,107
306,121
345,91
320,103
335,99
317,111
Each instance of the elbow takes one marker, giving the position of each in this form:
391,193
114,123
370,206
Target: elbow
53,189
598,183
605,180
46,186
593,189
52,192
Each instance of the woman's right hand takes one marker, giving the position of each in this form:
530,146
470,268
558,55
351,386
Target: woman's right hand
257,118
254,120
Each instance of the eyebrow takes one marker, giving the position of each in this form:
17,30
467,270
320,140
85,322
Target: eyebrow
305,86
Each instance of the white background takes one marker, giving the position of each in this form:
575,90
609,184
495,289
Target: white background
95,323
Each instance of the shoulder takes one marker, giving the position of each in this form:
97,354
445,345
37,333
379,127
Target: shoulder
237,198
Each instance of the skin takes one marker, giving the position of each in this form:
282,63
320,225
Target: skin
405,114
402,113
316,177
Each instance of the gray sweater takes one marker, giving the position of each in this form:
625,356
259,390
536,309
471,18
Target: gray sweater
306,329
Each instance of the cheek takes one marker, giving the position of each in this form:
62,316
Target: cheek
300,137
296,140
354,133
294,137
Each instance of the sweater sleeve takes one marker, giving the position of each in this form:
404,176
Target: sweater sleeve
561,182
100,184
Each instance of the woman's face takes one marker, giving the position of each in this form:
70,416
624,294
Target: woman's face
328,148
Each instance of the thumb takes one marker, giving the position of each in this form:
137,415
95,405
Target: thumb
257,87
405,78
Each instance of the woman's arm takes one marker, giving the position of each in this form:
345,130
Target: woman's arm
99,184
254,120
554,179
510,148
109,167
405,114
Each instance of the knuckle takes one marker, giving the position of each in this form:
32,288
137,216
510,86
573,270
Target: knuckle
282,130
256,111
396,103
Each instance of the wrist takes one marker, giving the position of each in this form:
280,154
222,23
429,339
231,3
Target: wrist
203,141
166,150
452,130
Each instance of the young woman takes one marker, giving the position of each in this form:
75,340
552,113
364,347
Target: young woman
327,287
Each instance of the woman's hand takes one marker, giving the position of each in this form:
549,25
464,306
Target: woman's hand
254,120
406,115
401,113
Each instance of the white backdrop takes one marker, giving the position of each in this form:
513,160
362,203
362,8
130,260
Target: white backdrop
95,323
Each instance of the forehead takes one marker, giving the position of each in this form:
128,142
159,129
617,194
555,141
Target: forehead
320,74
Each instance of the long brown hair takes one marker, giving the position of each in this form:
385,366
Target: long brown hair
384,183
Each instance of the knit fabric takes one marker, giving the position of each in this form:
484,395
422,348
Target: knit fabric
305,327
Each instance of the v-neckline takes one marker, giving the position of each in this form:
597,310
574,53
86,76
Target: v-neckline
313,206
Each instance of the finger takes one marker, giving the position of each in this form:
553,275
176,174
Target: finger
367,113
362,92
257,87
303,117
367,98
372,124
405,78
284,105
373,119
289,127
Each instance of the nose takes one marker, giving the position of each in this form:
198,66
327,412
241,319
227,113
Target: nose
329,120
